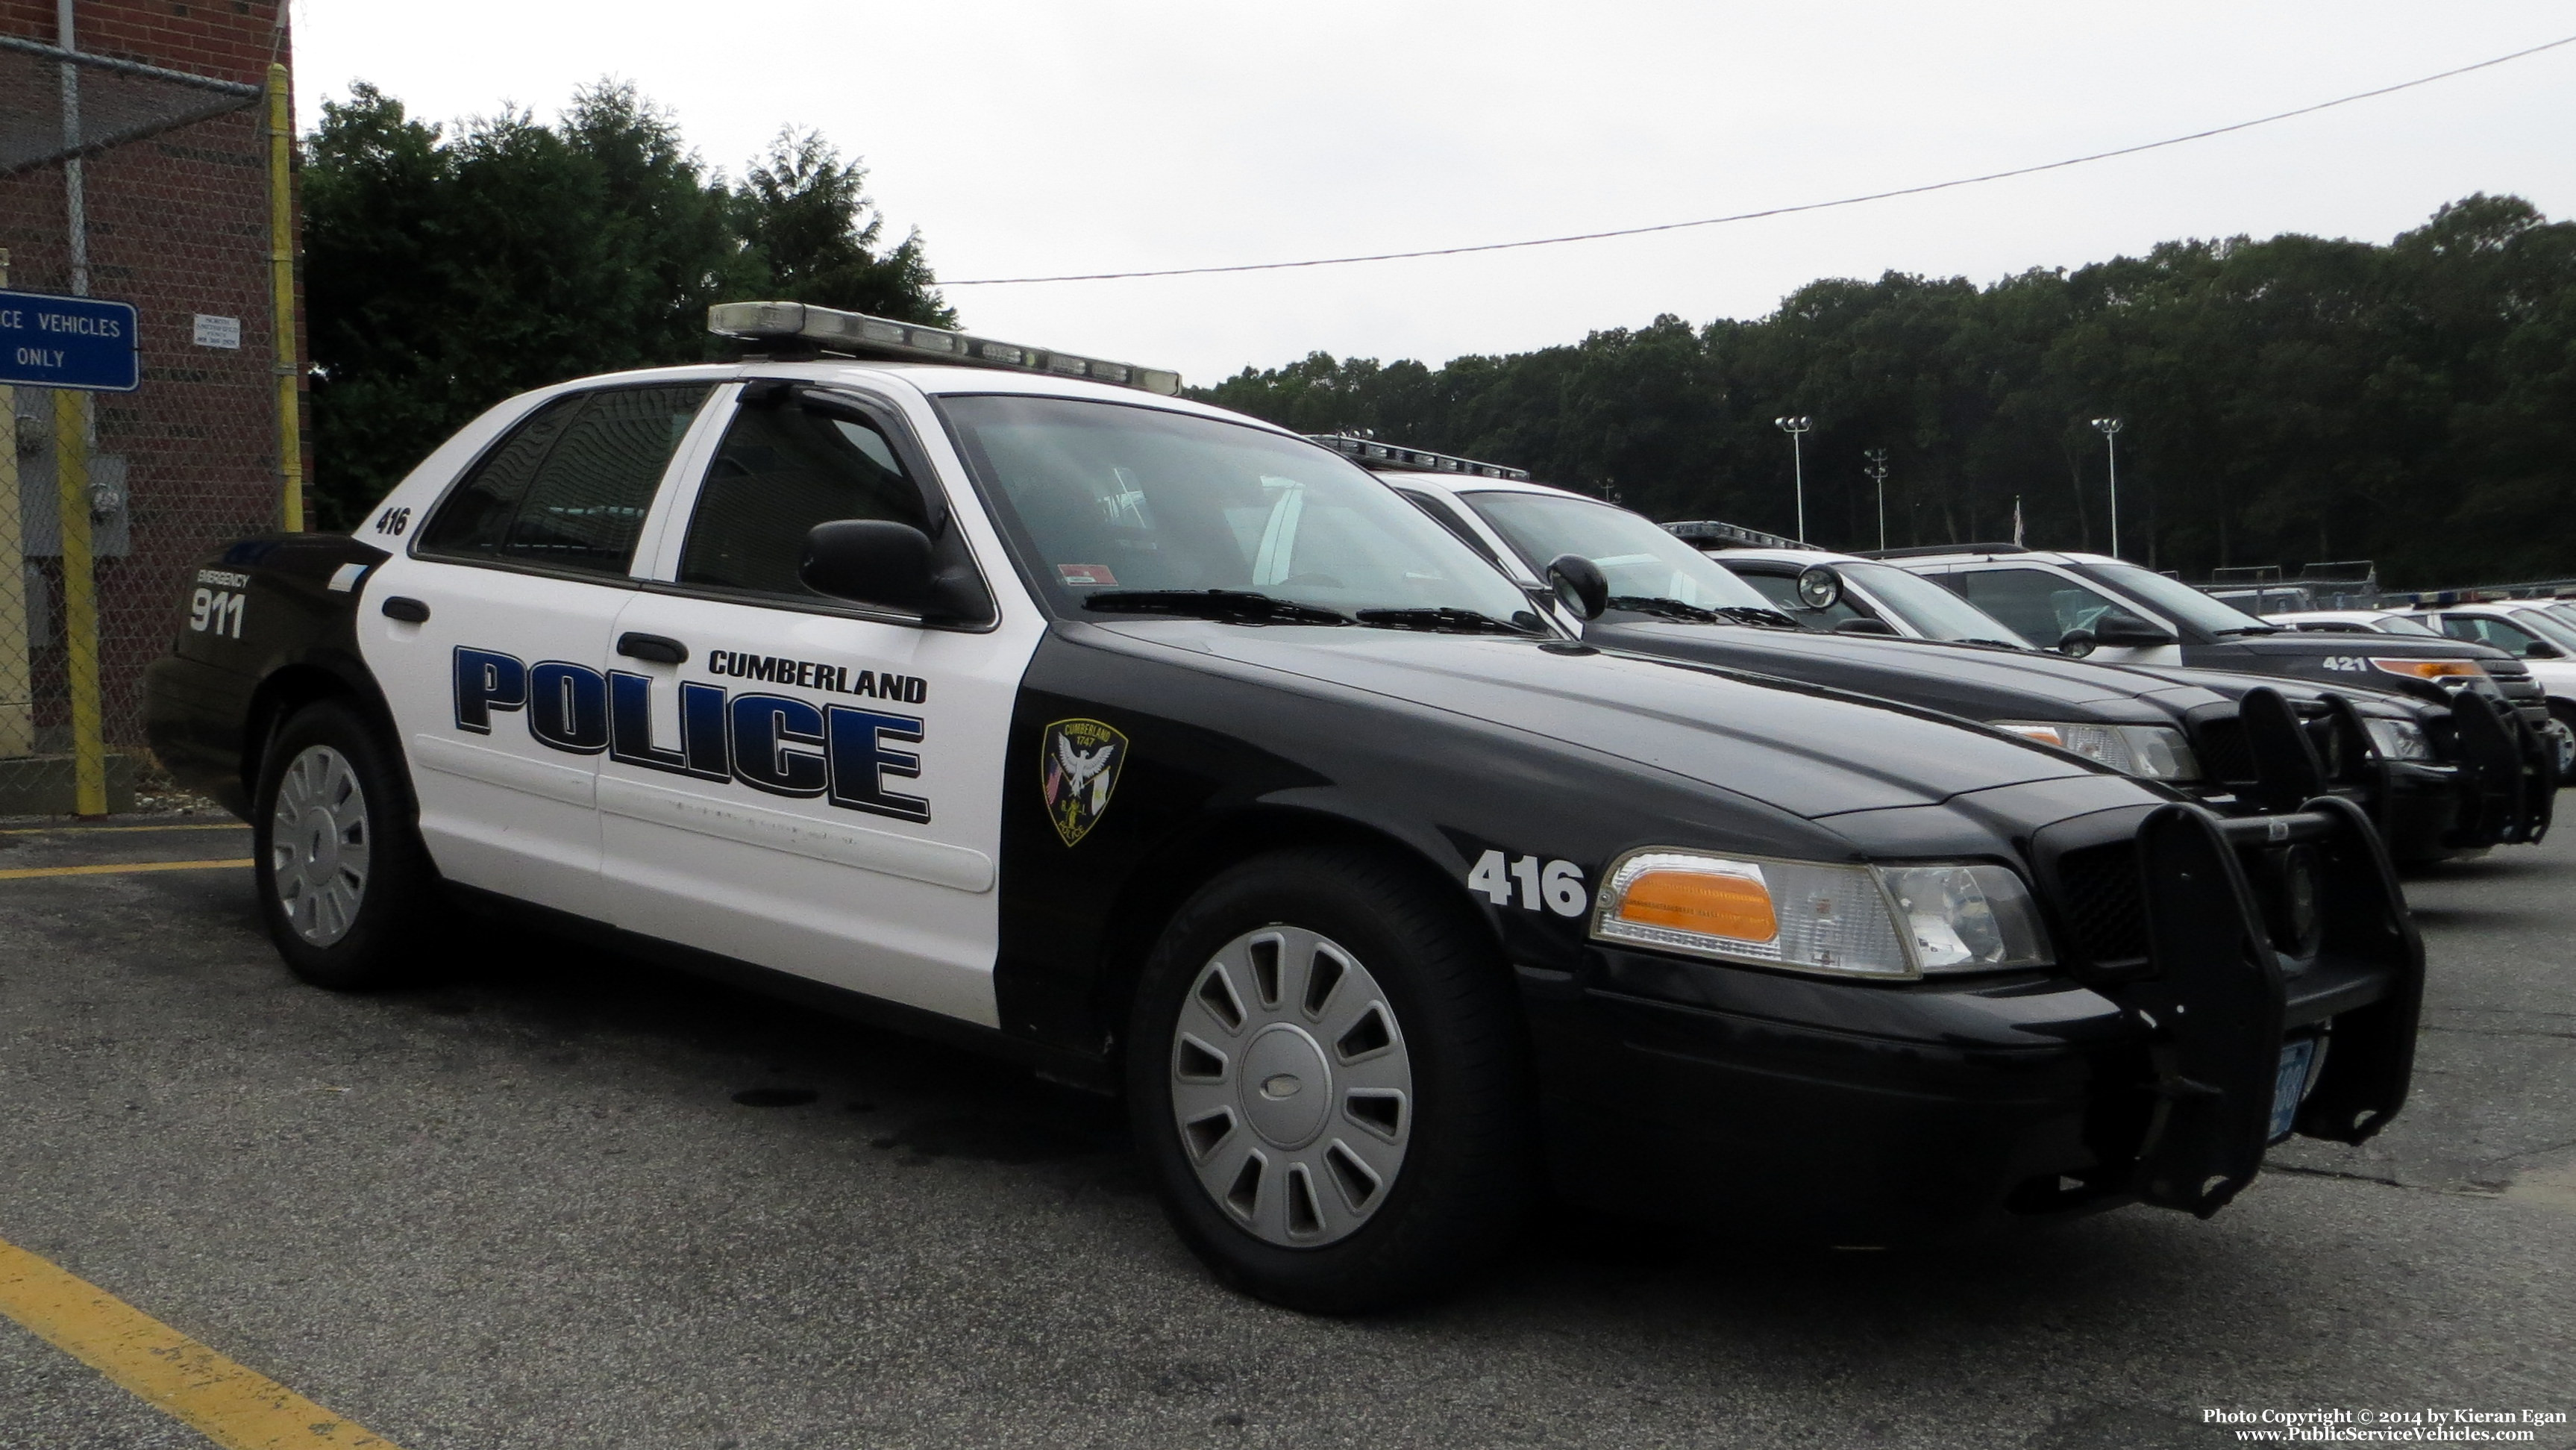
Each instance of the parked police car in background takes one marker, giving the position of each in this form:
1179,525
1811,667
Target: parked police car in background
2236,743
1161,749
2528,629
2435,793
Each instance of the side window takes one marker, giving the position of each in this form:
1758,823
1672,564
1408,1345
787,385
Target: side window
782,469
2477,629
569,487
2039,605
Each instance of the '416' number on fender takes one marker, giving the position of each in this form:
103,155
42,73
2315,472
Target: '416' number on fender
1556,884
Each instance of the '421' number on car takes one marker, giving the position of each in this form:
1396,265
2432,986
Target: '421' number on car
2348,664
1558,885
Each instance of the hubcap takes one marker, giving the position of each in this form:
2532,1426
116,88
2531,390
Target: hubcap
318,845
1291,1087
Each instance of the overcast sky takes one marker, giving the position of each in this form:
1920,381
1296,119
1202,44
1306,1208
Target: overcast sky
1026,137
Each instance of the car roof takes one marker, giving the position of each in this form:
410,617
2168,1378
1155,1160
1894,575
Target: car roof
2332,616
2014,555
1455,484
929,379
1803,558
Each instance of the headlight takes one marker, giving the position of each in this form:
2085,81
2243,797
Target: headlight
1885,922
2398,739
2157,752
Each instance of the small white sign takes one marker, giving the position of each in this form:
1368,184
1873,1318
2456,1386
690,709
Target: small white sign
218,331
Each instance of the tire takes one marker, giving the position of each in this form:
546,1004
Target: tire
344,883
1416,1163
2562,713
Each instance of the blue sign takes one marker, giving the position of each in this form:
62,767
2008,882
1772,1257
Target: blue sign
68,342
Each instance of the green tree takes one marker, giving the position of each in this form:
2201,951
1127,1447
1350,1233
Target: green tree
445,272
805,215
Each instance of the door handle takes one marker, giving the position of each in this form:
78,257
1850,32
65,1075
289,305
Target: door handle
660,649
409,611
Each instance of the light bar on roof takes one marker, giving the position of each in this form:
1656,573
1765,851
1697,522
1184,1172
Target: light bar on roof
1370,453
856,334
1707,534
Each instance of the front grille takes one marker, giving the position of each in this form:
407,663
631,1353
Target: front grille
2105,905
2223,751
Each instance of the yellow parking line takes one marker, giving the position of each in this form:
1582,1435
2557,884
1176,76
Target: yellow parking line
233,1405
21,873
86,830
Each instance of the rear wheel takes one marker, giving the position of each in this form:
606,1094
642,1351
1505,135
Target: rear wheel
343,880
1326,1072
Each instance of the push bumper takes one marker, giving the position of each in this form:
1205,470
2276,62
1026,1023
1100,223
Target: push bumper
1862,1113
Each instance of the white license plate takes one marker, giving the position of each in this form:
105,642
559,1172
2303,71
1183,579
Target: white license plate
2291,1085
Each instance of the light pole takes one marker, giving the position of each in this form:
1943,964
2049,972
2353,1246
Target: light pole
1878,470
2111,445
1796,428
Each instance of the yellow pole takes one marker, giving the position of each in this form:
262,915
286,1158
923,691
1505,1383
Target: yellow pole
80,603
281,261
17,685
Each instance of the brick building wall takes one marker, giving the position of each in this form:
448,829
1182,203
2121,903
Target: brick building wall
179,226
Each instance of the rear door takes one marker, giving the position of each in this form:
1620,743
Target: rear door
794,781
489,637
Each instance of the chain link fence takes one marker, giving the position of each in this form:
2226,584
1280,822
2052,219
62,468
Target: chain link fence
165,190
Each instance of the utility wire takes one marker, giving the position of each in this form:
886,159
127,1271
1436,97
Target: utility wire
1746,216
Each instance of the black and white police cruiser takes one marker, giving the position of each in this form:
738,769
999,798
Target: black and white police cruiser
1003,695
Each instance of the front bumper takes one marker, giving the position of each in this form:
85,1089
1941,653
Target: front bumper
1863,1113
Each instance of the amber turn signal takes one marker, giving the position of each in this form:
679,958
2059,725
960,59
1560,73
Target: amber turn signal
1735,907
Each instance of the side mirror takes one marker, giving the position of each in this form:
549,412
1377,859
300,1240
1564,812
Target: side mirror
868,561
1819,587
1580,583
2075,644
2127,630
1864,626
2541,649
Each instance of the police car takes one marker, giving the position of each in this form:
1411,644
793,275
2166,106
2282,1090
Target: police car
1003,695
2229,740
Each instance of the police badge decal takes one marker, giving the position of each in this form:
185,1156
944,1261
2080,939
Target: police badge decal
1081,760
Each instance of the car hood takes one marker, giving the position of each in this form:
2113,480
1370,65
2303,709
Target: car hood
1980,682
1801,748
2235,684
2306,644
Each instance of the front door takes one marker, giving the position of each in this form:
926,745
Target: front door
490,637
793,781
2043,605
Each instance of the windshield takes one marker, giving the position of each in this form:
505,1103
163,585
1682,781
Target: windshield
1932,611
2400,624
1640,560
2179,600
2545,624
1109,500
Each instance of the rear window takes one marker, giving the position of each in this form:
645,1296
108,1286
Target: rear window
569,486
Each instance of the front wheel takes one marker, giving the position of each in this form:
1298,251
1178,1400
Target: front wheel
343,881
2560,737
1326,1072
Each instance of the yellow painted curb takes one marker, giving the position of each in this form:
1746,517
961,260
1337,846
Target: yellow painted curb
233,1405
22,873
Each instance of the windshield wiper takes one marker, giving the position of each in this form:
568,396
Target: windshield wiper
1665,608
1755,614
1444,618
1239,606
2248,629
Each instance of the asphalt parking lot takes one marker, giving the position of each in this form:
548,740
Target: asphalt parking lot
571,1200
